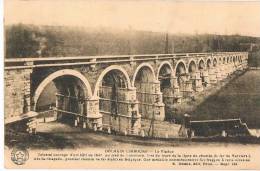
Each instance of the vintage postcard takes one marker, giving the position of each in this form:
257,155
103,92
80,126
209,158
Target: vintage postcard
131,84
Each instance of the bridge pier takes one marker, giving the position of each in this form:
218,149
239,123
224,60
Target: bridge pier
176,90
218,74
212,76
206,79
134,121
123,116
230,69
93,116
224,73
187,91
159,112
196,81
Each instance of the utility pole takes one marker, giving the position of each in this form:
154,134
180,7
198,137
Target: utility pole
172,43
166,43
129,41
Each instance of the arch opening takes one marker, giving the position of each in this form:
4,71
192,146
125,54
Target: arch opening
181,76
165,76
220,61
201,68
201,65
62,96
146,86
209,64
112,92
192,73
215,62
192,67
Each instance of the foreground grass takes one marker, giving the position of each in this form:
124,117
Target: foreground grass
56,135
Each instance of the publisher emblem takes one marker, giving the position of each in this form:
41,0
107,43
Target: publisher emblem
19,156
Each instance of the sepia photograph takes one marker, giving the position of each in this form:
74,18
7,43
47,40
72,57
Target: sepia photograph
131,84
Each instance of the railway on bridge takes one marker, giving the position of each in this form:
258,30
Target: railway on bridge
113,92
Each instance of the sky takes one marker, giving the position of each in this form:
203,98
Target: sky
160,16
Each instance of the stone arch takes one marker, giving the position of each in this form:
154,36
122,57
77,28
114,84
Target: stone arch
163,64
140,67
208,63
181,75
215,62
191,66
165,77
180,62
201,64
224,60
220,60
64,72
146,84
110,68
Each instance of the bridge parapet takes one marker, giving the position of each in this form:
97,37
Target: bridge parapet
21,63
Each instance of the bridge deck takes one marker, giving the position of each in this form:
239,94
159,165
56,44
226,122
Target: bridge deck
16,63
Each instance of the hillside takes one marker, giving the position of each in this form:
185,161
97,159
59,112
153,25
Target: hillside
45,41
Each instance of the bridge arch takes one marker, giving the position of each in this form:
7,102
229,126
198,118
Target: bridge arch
181,75
192,67
201,64
163,64
108,69
165,76
139,68
146,85
220,61
215,62
60,73
180,63
111,89
209,63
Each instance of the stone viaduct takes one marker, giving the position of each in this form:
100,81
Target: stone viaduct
113,92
